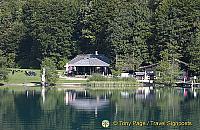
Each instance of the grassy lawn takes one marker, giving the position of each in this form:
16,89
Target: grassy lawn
20,88
20,77
71,81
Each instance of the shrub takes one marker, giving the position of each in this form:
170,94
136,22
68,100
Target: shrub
51,74
97,77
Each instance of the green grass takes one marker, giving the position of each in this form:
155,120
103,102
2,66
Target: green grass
71,81
98,77
20,88
20,77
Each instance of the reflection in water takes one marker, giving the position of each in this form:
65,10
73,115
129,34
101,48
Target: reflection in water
195,93
43,94
66,97
84,102
27,93
86,109
144,93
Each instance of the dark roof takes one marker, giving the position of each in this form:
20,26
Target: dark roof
90,60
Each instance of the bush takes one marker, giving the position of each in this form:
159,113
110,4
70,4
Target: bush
116,73
62,63
97,77
50,71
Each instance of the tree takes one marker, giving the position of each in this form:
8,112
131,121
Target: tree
194,50
3,69
91,30
175,22
168,70
11,29
50,26
130,30
51,75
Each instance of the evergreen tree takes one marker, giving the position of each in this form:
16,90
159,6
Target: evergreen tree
194,50
168,70
175,24
11,29
3,69
130,30
50,28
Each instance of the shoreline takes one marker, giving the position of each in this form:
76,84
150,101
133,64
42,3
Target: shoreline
83,86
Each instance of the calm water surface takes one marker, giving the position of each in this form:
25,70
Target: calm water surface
85,110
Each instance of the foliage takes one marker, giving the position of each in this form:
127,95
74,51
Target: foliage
32,30
130,30
99,77
11,29
51,75
194,50
116,72
168,70
3,69
62,62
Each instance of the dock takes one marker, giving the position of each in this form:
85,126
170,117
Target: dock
187,84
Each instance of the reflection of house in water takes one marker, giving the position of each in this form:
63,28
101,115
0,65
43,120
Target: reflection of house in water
144,93
81,101
125,94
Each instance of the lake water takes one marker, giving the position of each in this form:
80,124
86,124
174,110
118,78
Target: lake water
140,109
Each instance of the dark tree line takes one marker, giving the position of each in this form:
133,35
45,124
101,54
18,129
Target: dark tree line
151,31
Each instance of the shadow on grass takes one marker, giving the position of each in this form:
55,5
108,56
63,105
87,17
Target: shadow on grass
36,82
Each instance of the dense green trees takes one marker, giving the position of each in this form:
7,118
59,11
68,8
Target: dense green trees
11,29
31,30
130,31
49,26
3,70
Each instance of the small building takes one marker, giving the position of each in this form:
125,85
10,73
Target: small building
147,73
140,75
146,76
87,64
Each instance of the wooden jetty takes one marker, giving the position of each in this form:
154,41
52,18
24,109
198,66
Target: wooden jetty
187,84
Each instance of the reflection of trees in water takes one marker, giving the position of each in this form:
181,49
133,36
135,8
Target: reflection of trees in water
167,104
31,113
6,108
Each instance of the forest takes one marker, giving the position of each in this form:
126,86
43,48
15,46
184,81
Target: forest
151,31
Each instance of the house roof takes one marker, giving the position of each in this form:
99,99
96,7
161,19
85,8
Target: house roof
90,60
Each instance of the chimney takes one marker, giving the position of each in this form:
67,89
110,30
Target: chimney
96,52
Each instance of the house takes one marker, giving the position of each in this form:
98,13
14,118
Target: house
146,76
87,64
147,73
